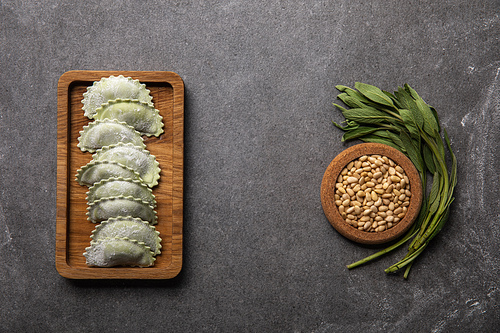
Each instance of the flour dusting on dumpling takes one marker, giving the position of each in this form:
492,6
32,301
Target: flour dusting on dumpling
113,187
142,116
105,132
111,252
136,158
110,88
130,227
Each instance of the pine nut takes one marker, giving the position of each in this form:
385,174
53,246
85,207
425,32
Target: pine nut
351,180
395,179
372,193
364,219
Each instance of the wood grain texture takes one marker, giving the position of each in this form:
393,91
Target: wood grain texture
73,230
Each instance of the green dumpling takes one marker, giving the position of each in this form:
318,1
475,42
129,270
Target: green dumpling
136,158
113,187
109,252
95,171
140,115
110,88
130,227
101,133
104,209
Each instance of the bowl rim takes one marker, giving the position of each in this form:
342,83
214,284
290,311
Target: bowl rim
328,191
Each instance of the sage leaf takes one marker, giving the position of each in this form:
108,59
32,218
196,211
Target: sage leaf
408,103
373,93
366,115
433,196
409,122
428,159
358,132
412,151
430,125
434,112
404,121
341,108
377,139
393,99
396,139
350,101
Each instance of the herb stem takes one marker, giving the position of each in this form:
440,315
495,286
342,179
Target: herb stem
412,126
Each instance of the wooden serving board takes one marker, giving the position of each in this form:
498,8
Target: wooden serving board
73,230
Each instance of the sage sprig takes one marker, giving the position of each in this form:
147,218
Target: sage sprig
404,121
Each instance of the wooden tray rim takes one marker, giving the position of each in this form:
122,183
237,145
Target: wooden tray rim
66,80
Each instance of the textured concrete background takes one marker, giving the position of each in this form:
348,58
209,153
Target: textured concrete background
259,254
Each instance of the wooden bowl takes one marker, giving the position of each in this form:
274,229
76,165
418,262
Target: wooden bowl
328,191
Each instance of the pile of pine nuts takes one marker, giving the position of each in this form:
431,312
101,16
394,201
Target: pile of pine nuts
372,193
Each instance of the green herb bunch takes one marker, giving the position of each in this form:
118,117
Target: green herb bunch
404,121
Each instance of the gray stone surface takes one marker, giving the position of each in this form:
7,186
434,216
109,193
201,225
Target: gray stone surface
259,254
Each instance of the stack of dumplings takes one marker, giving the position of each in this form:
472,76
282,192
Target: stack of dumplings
121,174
